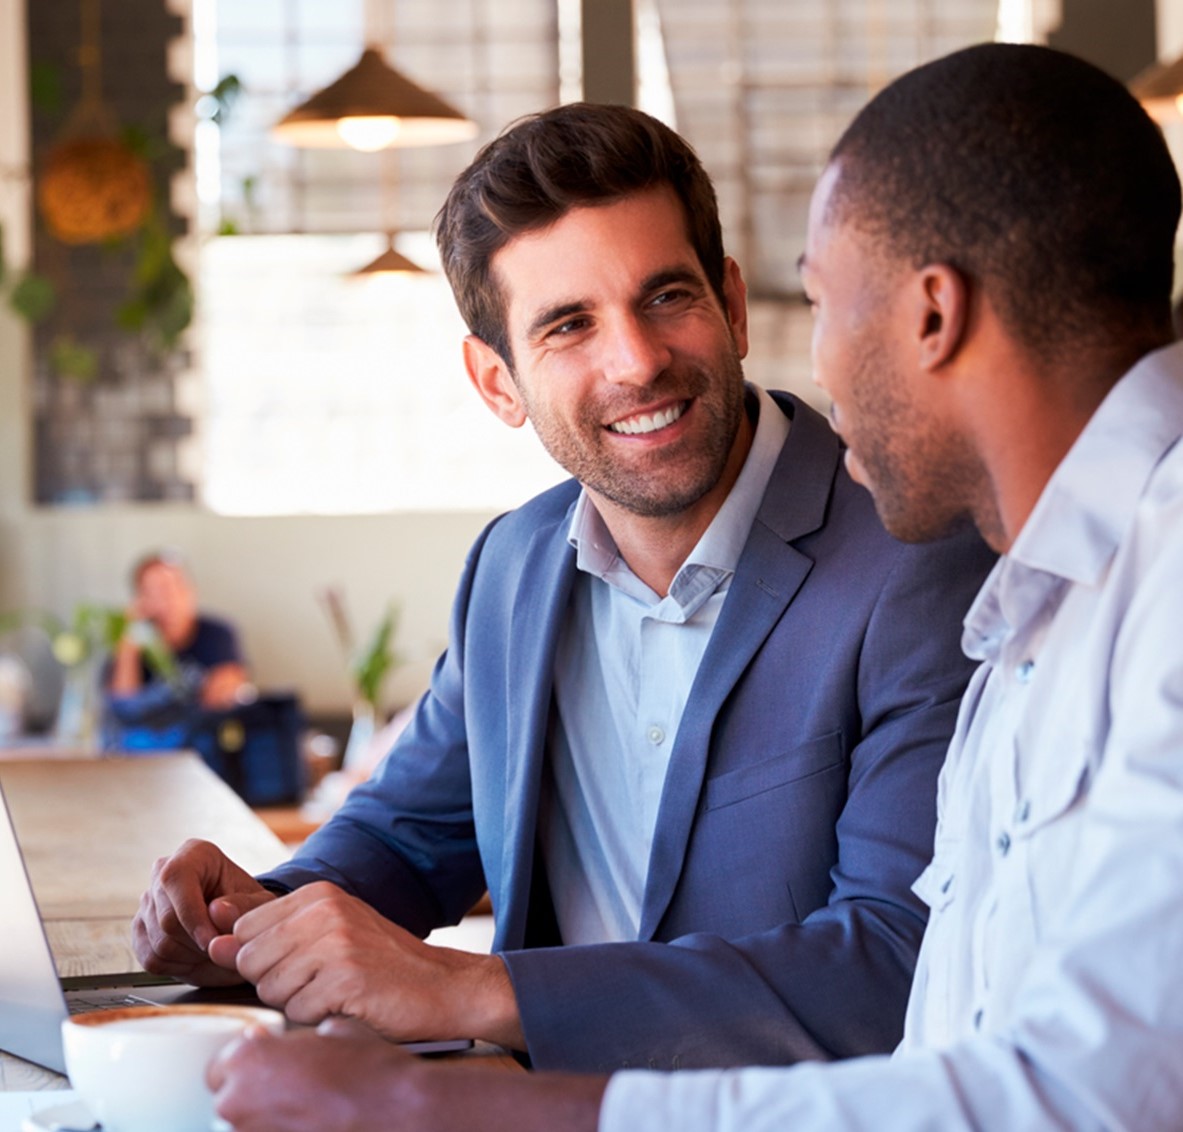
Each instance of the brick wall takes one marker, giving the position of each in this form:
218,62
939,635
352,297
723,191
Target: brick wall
118,434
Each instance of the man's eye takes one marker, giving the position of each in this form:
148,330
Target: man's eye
670,295
568,326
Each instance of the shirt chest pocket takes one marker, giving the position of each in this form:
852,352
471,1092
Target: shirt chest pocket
1056,785
1046,828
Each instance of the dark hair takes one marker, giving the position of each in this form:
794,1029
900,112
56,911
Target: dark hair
546,164
1029,170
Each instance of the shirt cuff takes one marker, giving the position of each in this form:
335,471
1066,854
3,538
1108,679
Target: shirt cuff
642,1101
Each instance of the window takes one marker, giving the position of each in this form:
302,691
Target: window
329,394
325,393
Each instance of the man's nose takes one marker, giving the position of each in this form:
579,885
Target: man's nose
635,352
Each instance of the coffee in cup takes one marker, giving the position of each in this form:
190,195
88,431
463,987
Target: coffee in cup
142,1068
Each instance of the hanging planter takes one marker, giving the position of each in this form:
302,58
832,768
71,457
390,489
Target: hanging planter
93,189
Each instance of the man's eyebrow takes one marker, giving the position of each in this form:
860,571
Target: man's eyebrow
549,315
668,275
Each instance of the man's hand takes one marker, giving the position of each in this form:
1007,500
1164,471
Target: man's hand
222,685
320,952
342,1078
195,896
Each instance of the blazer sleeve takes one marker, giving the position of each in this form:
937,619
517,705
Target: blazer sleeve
404,841
835,983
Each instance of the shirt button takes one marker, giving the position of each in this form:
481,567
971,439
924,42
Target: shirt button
1022,811
655,735
979,1015
1024,671
1003,843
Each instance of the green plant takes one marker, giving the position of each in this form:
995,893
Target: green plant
28,294
369,666
92,631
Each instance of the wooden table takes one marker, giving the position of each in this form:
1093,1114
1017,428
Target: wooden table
91,829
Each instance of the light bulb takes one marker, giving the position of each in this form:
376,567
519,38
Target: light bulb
369,133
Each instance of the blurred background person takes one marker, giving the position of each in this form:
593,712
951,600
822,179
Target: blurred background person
167,639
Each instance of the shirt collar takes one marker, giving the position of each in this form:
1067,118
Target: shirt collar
723,541
1087,506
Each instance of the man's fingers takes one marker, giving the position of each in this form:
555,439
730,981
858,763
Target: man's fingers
181,903
223,950
290,980
153,945
235,1051
338,1026
224,911
192,894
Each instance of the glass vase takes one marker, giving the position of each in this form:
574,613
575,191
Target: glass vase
361,735
77,722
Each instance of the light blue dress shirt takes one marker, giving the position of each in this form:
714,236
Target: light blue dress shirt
623,671
1048,993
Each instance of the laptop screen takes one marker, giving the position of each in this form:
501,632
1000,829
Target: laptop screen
31,1003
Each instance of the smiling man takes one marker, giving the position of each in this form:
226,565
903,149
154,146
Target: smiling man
689,721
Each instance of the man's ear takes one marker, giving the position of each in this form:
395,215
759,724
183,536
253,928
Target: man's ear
942,315
492,379
735,291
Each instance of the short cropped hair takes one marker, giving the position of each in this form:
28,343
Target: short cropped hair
161,557
1030,170
542,166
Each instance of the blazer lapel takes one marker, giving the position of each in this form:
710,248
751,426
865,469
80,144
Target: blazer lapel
769,575
540,605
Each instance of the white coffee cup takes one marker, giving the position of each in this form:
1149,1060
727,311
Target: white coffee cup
142,1068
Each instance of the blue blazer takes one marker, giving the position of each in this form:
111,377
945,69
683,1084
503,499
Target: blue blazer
778,921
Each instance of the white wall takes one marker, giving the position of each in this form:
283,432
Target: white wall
263,573
1170,28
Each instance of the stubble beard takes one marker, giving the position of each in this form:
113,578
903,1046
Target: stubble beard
916,474
651,491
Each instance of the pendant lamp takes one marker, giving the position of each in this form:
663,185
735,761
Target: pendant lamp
390,262
1160,90
373,107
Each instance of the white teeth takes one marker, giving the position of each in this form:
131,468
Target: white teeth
645,423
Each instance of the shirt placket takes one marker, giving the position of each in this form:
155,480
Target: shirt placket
1005,851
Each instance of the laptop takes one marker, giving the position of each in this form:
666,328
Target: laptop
34,1001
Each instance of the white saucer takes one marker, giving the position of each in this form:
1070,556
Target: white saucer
59,1117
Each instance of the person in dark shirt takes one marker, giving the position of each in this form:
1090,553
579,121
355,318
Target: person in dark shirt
206,662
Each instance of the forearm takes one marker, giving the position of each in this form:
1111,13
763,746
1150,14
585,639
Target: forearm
460,1098
835,986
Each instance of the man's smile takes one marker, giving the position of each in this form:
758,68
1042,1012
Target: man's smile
649,422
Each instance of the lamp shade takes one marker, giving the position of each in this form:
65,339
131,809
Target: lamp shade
391,262
1158,88
372,107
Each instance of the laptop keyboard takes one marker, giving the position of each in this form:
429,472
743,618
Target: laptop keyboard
79,1004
